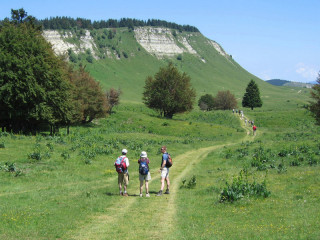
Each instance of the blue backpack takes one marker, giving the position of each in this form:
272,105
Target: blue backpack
143,167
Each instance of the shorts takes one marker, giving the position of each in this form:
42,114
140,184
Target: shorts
123,178
145,177
165,172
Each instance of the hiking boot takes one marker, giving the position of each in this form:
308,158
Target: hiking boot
125,195
140,194
167,191
121,194
159,193
147,195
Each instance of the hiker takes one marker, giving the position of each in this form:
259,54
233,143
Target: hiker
122,164
233,111
164,171
254,128
144,173
245,121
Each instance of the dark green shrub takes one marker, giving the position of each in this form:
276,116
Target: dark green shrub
9,167
65,155
125,54
191,183
36,155
282,168
88,161
241,187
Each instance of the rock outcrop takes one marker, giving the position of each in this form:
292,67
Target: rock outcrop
61,45
161,42
158,41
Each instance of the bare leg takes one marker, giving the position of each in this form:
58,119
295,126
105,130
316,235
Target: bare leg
141,186
162,184
147,186
168,183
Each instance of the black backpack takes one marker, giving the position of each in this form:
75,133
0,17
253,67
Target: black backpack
169,161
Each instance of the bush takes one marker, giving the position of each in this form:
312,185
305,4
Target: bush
241,187
9,167
125,54
206,102
36,155
191,184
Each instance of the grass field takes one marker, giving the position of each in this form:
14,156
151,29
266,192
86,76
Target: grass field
65,187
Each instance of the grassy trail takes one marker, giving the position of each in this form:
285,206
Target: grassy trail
151,218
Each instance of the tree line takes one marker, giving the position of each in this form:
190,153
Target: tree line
66,23
57,23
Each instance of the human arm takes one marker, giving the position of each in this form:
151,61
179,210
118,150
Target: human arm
164,160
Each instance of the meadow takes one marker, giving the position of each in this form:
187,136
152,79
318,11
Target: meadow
65,186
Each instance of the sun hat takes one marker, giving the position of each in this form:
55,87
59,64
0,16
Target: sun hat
143,154
124,151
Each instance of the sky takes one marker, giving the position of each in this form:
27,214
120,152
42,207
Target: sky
272,39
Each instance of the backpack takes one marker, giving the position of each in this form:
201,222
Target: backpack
143,167
254,128
120,164
169,161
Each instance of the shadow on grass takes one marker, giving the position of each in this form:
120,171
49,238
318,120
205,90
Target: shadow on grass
129,195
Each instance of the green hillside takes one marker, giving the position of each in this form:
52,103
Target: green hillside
210,72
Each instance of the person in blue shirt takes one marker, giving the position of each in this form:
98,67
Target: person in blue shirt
164,171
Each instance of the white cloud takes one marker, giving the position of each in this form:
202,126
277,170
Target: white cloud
306,72
265,75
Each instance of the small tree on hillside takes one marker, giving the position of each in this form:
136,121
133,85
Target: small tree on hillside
169,92
206,102
225,100
315,106
113,98
252,98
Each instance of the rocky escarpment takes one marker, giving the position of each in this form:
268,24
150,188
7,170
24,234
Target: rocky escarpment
161,42
158,41
60,43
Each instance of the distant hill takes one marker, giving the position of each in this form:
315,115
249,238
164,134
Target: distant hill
123,57
279,82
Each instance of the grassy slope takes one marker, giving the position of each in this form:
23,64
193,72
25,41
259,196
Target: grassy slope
218,73
63,197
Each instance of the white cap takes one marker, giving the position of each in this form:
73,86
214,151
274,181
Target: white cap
143,154
124,151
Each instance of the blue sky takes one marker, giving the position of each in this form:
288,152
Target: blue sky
270,39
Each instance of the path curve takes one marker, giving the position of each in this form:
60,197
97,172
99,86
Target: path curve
106,225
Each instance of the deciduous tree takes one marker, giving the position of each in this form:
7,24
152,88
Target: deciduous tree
33,90
169,92
113,98
224,100
206,102
88,96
